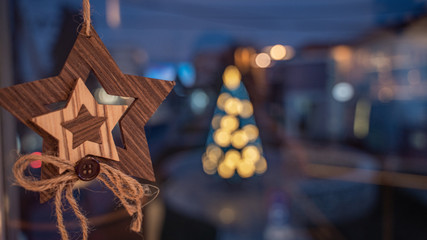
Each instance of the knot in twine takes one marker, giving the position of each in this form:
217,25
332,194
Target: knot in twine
128,190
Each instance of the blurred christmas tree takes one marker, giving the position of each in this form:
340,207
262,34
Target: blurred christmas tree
233,143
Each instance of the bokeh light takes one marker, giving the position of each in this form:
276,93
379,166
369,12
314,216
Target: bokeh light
243,57
263,60
246,169
199,101
231,77
208,166
225,171
278,52
342,92
229,123
247,109
222,137
261,166
232,158
36,163
239,139
251,132
214,153
211,158
216,121
222,98
342,53
233,106
251,154
187,74
209,171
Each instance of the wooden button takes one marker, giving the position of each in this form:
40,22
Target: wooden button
87,168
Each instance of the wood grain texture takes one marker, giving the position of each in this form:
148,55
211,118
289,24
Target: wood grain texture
28,100
84,127
88,120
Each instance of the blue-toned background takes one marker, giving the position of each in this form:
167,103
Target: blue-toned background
341,116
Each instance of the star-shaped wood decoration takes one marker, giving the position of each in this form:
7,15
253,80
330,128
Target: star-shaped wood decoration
29,100
83,127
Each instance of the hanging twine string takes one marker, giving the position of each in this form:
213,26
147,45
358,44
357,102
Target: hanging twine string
86,16
127,189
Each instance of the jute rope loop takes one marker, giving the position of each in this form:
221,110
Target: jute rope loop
129,191
86,16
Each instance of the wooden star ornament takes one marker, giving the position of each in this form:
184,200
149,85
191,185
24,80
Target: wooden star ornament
84,127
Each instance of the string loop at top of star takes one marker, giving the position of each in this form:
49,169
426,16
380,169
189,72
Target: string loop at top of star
86,16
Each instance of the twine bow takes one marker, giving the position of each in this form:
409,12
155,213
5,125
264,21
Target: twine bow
128,190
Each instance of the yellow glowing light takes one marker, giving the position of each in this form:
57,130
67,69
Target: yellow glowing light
222,137
232,155
261,166
233,106
278,52
239,139
231,77
251,131
242,58
223,97
216,120
232,158
262,60
361,119
229,123
225,171
342,53
214,153
246,169
251,154
247,109
208,164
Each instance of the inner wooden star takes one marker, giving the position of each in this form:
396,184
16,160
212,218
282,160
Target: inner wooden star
85,127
